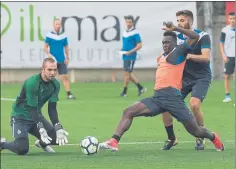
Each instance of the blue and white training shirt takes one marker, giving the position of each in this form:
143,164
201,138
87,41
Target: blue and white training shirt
130,39
228,39
57,42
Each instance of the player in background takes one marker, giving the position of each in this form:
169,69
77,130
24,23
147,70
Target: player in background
227,49
59,50
131,43
167,95
27,118
196,78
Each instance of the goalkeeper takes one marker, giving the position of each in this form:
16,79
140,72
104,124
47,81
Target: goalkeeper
27,118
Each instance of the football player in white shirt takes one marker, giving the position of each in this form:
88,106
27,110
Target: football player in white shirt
227,49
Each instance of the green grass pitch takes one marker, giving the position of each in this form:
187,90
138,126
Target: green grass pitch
97,111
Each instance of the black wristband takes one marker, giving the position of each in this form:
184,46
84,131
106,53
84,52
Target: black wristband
40,125
58,126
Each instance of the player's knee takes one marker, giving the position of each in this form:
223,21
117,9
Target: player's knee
127,73
193,132
196,132
227,77
22,147
127,113
23,150
195,105
167,118
65,77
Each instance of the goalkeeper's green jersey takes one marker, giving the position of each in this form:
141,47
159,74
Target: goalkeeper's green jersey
35,93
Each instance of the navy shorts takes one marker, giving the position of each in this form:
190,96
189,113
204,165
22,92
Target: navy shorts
128,65
62,69
168,100
230,66
198,88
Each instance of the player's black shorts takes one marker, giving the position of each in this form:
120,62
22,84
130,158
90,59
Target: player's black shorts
230,66
21,127
128,65
62,68
168,100
198,88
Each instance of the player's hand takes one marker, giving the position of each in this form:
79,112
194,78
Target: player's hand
121,53
188,56
61,135
66,61
128,53
226,59
168,26
44,136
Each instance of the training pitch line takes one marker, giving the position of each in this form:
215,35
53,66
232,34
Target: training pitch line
154,142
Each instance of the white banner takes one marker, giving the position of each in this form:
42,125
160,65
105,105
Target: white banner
94,31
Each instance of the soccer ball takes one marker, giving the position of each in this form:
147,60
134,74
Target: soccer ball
89,145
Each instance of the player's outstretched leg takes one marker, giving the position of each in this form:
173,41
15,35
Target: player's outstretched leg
20,146
201,132
137,109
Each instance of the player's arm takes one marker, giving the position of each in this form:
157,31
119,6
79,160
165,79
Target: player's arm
180,53
67,52
53,115
52,106
205,50
139,45
46,47
193,36
66,48
222,41
222,49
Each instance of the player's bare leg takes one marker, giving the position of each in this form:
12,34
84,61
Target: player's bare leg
66,84
126,83
137,109
195,105
200,132
172,140
227,88
113,76
134,79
